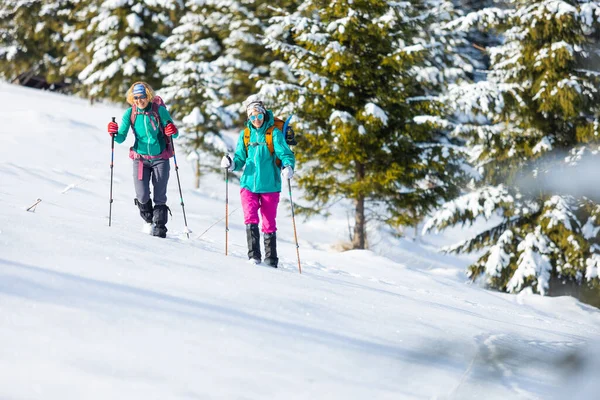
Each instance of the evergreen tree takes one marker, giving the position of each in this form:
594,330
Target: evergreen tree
77,38
246,60
213,61
31,38
195,84
541,101
364,90
124,37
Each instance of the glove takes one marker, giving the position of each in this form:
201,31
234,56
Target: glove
227,163
170,129
113,128
287,172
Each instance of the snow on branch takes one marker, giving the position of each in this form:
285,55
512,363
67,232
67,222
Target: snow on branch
483,96
433,120
590,229
342,116
340,24
482,239
486,18
312,80
589,13
483,133
376,112
534,264
498,258
546,10
592,267
543,146
273,90
558,212
483,202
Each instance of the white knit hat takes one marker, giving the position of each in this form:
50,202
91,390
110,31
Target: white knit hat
256,105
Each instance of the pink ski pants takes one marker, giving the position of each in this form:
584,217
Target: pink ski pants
267,202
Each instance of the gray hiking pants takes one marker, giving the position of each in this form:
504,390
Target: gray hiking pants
157,170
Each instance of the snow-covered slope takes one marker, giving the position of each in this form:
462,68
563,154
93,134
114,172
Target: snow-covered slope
89,311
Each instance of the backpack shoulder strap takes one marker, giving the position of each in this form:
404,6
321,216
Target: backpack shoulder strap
246,138
269,138
277,123
154,111
134,113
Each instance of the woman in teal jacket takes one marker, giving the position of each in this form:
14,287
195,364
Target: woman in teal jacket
261,179
153,128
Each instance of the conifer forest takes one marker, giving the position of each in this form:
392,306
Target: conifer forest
419,114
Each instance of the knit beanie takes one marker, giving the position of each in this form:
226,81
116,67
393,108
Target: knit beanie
139,89
256,105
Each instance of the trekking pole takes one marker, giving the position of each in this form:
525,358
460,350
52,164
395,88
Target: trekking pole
226,208
294,223
187,230
112,159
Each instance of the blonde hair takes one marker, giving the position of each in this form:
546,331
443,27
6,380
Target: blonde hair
149,92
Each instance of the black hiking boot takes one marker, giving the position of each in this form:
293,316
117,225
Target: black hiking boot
146,210
271,250
160,220
253,237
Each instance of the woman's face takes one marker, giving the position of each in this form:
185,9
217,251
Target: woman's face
256,118
140,100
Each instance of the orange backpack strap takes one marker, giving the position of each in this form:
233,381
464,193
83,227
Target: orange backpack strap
269,139
278,123
246,139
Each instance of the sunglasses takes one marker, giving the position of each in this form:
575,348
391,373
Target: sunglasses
254,117
139,97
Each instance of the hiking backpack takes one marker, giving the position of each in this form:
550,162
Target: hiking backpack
157,102
289,135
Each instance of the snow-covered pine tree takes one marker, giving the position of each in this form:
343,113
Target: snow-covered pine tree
31,39
76,42
245,59
213,60
366,107
195,83
125,37
541,100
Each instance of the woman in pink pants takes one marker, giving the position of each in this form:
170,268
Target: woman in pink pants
261,180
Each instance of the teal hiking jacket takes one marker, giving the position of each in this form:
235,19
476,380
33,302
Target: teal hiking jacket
148,139
261,174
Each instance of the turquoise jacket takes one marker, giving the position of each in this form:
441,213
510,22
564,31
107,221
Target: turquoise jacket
261,174
148,139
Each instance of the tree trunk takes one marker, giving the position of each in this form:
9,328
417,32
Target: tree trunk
198,170
198,141
360,234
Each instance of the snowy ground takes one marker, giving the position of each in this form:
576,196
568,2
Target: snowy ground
89,311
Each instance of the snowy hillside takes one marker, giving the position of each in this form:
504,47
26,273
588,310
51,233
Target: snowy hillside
89,311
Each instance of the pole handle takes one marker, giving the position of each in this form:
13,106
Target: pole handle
114,119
